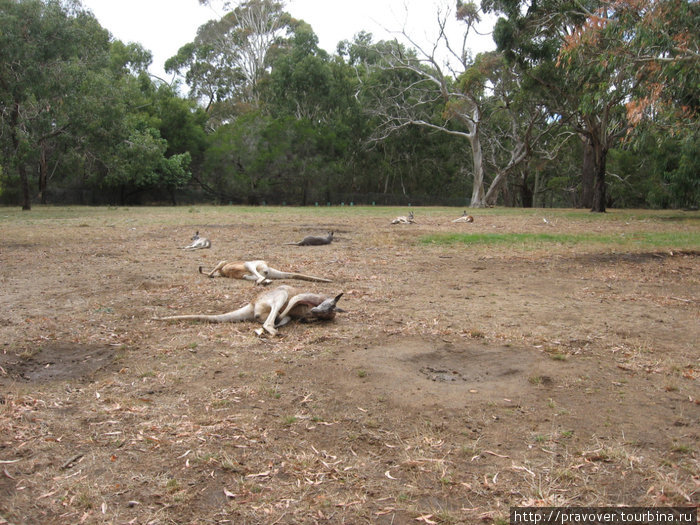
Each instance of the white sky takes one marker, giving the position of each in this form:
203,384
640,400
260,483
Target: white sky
163,26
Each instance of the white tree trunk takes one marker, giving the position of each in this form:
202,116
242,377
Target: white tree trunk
478,194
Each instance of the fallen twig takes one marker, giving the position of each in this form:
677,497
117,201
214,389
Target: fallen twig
71,461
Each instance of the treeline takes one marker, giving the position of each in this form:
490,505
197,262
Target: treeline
581,105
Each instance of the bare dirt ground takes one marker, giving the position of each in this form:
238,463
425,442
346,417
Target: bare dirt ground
462,380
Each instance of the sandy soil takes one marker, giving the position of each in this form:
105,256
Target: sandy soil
461,380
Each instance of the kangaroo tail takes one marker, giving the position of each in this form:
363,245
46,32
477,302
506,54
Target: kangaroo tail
246,313
311,278
276,274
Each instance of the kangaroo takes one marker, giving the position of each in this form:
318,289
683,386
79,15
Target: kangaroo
464,218
257,271
404,219
198,243
277,307
311,240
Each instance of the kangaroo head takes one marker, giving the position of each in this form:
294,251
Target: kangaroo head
327,309
195,236
410,215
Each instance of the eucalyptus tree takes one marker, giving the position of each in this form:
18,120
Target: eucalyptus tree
77,107
644,56
300,82
229,57
658,40
258,159
142,135
407,163
518,127
442,88
598,64
315,94
47,52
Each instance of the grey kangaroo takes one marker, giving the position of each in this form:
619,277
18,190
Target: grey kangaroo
311,240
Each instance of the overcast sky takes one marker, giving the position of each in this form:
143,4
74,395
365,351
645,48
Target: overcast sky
163,26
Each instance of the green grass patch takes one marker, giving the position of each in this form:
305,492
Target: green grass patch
677,240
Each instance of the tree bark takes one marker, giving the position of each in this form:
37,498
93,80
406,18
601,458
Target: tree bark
599,198
21,168
24,183
478,193
525,192
43,173
495,189
588,173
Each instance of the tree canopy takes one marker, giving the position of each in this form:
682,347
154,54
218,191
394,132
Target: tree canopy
591,103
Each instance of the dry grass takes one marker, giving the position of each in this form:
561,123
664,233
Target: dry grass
461,380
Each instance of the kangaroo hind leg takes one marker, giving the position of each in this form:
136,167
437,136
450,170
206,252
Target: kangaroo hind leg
215,270
258,270
272,304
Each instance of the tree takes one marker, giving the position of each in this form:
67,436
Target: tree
232,170
530,36
300,82
599,65
139,163
658,40
229,57
46,52
80,110
649,50
453,98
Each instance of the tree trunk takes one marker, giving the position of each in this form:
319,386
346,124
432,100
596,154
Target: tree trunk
21,168
24,183
478,194
507,195
536,190
43,173
598,204
494,189
588,174
525,192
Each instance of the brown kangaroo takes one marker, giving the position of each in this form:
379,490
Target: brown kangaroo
311,240
464,218
277,307
257,271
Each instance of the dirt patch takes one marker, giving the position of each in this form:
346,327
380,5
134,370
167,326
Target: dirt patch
56,362
461,380
418,373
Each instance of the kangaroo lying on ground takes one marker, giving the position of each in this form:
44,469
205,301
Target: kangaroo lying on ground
277,306
311,240
198,243
404,219
257,271
464,218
